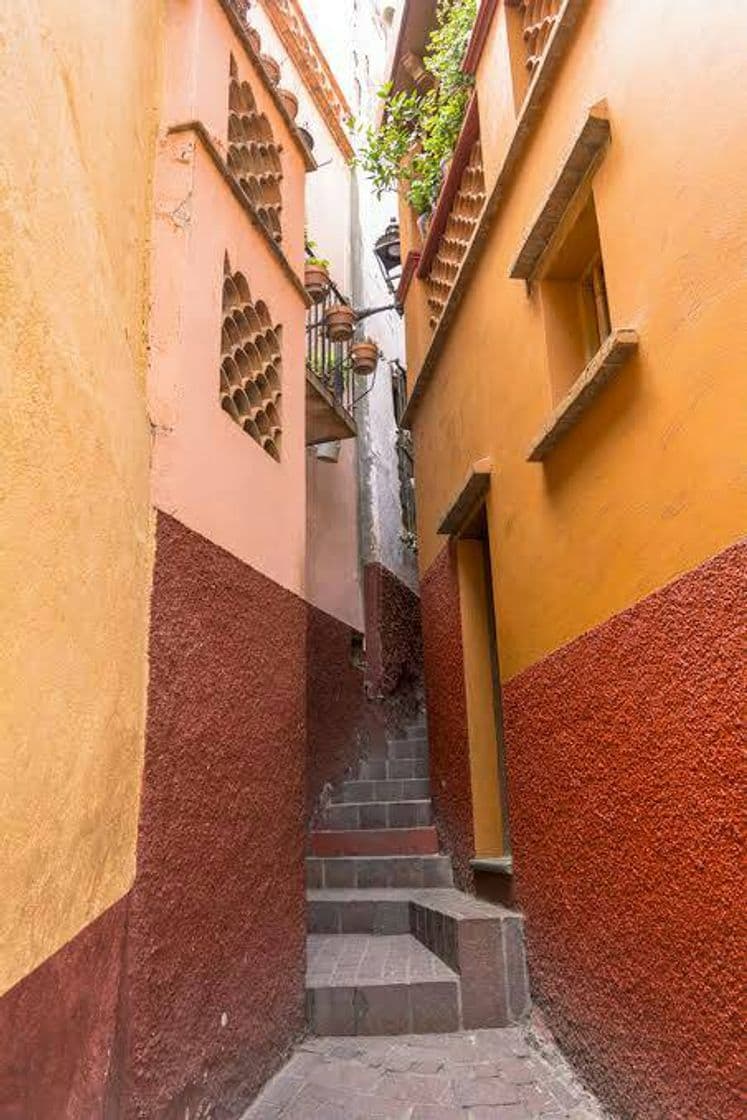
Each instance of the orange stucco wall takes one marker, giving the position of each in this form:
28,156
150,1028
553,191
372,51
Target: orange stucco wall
78,100
650,482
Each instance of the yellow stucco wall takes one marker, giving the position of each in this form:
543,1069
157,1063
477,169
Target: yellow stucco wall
651,481
78,98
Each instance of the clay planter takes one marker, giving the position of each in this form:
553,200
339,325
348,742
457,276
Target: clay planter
290,101
272,69
307,138
253,36
339,322
316,281
365,357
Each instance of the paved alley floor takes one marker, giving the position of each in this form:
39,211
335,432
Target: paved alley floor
507,1074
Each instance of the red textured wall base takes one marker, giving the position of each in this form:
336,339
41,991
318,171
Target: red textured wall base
448,734
394,642
214,991
341,724
57,1028
624,750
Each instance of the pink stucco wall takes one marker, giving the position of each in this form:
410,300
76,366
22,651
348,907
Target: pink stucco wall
332,568
200,36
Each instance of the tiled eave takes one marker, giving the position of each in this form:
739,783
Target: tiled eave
409,269
528,119
460,159
577,166
202,134
248,47
612,354
479,35
310,64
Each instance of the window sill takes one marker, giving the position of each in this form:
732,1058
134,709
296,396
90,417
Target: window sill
613,354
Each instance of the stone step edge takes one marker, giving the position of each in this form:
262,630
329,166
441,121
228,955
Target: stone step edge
416,840
494,991
360,804
424,897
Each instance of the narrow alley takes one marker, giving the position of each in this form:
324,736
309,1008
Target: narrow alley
373,514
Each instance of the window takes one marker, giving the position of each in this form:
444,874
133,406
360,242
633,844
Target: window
573,292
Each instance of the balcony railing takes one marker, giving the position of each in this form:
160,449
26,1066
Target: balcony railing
329,377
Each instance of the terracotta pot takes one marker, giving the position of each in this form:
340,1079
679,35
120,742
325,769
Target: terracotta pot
365,357
290,101
316,281
339,322
254,38
272,69
307,138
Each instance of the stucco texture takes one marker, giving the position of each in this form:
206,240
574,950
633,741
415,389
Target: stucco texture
625,764
57,1028
341,725
78,98
448,735
394,638
216,941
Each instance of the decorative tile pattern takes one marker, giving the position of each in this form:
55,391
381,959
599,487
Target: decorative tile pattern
460,226
539,18
253,155
288,19
251,364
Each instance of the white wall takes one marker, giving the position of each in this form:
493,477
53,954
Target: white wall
358,43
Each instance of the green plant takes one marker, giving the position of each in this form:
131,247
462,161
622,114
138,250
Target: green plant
419,129
313,260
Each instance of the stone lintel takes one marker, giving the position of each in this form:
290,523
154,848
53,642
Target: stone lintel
579,162
472,491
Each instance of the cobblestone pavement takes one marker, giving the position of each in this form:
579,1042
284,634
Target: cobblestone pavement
508,1074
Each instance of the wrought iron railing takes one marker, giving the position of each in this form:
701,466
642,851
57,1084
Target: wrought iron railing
329,361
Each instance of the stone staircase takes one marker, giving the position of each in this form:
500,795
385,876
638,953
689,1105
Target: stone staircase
393,947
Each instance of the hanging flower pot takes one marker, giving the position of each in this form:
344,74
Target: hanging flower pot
307,138
290,101
339,322
253,36
364,356
272,69
316,280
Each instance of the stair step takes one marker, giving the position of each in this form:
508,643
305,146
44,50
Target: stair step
394,789
362,985
378,814
376,911
378,871
374,842
481,943
407,748
484,944
378,769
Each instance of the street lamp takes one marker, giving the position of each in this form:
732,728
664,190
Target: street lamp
388,253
